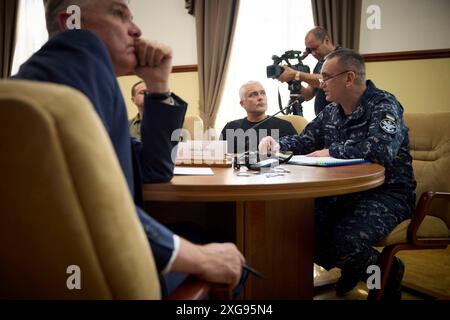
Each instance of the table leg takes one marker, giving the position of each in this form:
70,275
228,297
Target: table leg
277,240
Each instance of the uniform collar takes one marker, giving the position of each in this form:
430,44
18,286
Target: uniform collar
362,103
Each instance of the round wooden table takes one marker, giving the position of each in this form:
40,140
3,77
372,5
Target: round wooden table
274,217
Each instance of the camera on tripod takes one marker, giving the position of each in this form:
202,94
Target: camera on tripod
275,70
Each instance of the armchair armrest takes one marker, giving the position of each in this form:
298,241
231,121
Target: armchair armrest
421,211
195,289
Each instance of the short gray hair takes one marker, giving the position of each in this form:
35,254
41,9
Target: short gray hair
54,7
349,60
245,85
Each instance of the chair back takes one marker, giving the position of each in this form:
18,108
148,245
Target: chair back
298,122
193,128
429,135
68,224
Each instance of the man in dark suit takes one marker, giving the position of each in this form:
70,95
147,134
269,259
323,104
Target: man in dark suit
89,60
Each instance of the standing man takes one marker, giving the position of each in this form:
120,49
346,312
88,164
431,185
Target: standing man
89,60
319,44
137,96
254,101
362,122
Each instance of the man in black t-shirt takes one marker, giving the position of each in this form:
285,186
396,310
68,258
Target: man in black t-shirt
253,99
319,44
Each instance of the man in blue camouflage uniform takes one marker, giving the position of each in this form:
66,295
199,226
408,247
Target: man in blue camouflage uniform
361,122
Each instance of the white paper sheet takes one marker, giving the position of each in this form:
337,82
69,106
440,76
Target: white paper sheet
193,171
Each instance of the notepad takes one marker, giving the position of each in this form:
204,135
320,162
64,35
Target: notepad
323,161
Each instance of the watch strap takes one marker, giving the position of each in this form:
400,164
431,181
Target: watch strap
159,96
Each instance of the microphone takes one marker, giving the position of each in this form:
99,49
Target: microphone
299,99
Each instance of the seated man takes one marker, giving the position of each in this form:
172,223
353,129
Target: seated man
254,101
361,122
137,96
89,60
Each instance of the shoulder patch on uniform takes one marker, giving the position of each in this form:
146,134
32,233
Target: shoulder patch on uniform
388,126
390,117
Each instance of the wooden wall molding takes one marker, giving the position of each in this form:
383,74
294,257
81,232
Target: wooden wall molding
185,68
369,57
407,55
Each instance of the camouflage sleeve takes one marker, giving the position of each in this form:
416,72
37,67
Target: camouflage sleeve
311,139
383,140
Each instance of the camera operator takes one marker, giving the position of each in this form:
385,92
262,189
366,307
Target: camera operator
319,44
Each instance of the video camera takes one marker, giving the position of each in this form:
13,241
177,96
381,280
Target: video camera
275,70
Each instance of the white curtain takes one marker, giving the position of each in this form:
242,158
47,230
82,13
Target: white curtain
31,31
264,28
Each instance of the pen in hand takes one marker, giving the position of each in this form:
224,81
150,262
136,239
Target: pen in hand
253,271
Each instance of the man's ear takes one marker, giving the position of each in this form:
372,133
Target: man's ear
62,20
351,76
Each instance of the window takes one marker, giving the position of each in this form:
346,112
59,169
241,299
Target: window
31,31
265,28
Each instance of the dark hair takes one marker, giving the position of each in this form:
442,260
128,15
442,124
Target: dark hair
319,33
134,87
349,60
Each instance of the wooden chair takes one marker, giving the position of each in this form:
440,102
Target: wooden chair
429,228
66,214
298,122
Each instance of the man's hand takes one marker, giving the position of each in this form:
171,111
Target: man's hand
319,153
268,145
154,64
214,262
287,75
222,263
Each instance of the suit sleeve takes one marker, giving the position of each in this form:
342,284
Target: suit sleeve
161,240
160,132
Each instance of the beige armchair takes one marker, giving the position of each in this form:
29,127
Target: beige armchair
429,227
68,226
192,128
298,122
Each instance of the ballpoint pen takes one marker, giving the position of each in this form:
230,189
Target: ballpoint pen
253,271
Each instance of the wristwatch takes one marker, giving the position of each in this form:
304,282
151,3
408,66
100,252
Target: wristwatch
297,76
159,96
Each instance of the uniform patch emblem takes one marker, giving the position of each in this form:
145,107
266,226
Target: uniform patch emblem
388,126
390,117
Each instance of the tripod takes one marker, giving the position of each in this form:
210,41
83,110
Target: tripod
296,105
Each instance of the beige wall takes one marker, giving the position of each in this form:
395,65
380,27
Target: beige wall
168,21
183,84
420,85
406,25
